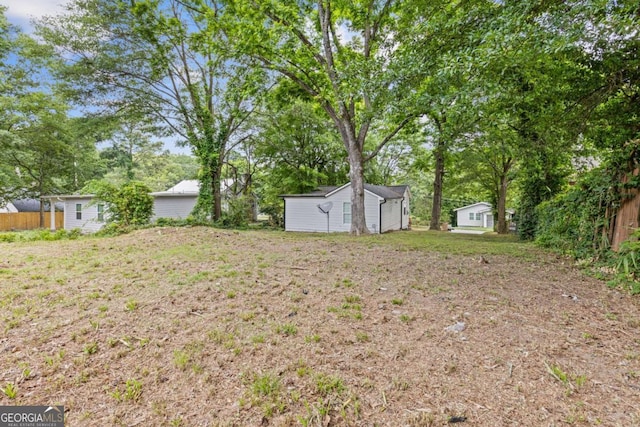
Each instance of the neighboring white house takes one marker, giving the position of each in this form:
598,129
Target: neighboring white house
328,209
84,212
478,215
177,202
475,215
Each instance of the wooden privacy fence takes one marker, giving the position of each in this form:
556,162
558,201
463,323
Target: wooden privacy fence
28,221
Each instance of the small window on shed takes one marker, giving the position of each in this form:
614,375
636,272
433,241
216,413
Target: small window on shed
78,210
101,213
478,216
471,216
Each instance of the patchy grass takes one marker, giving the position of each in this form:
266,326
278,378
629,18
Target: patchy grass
199,326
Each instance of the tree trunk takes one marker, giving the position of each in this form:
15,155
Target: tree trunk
503,227
42,213
356,175
438,153
216,208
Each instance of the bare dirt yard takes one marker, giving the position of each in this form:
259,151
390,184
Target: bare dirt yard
208,327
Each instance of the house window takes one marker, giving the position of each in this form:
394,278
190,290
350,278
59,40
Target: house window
346,212
78,210
471,216
478,216
101,213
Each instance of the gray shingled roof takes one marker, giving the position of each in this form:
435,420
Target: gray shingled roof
391,192
394,192
33,205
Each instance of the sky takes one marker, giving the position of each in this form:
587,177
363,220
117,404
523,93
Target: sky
20,12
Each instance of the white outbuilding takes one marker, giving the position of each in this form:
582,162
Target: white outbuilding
328,209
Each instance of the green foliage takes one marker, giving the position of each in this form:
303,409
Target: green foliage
38,235
628,265
129,205
237,214
10,390
574,222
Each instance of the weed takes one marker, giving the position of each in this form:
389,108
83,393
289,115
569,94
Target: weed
132,391
351,299
258,339
329,384
405,318
397,301
231,294
131,305
573,382
247,316
10,390
287,329
26,371
90,348
315,338
347,283
181,359
266,390
362,337
266,385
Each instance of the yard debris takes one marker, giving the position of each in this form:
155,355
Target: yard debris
456,327
573,297
457,420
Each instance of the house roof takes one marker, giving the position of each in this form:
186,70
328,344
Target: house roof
385,192
486,204
30,205
185,186
8,207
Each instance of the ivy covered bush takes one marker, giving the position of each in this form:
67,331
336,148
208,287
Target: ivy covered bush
128,205
575,221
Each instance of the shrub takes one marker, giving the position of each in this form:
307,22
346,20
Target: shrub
129,205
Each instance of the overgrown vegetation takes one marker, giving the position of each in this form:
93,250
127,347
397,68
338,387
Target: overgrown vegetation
36,235
580,222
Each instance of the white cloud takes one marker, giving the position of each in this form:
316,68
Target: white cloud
21,12
27,9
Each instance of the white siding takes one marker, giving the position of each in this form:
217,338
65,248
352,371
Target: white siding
88,223
463,215
406,209
176,206
302,213
392,215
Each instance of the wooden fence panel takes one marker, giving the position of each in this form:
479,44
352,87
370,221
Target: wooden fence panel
28,221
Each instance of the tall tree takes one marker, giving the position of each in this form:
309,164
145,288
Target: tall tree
42,151
342,54
36,143
148,58
443,77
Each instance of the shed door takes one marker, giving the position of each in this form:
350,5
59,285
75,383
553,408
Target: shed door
489,221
